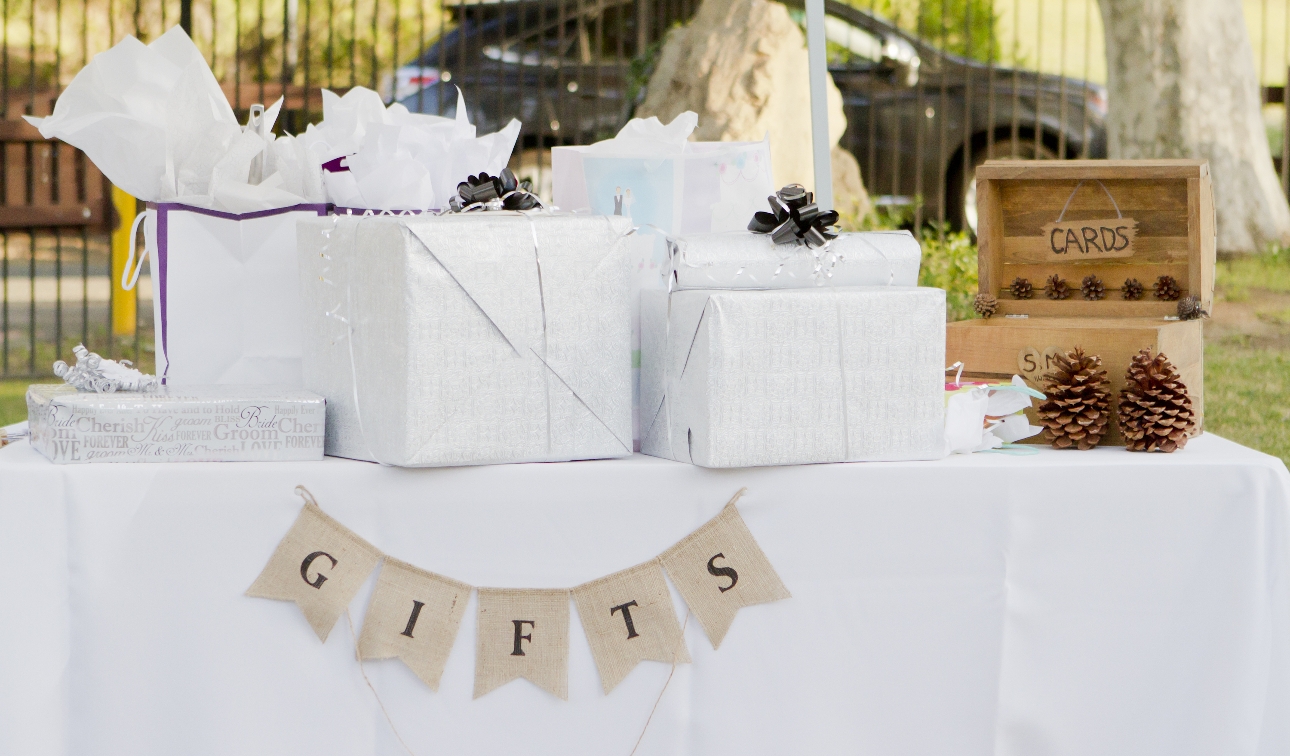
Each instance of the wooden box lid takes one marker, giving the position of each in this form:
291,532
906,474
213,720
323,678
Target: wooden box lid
1115,219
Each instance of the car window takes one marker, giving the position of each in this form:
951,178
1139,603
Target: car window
850,45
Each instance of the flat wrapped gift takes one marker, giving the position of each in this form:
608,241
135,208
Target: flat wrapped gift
469,338
793,376
744,260
176,424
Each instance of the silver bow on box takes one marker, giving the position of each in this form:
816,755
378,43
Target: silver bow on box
94,373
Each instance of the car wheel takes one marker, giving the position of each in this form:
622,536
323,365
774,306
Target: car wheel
960,195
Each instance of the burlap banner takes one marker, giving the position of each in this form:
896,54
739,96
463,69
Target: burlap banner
720,569
522,633
628,617
413,616
319,565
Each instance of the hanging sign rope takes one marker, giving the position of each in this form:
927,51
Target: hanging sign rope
1090,239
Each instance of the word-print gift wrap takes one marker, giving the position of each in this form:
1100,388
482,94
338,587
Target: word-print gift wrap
628,616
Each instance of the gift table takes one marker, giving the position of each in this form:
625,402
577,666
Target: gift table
1064,603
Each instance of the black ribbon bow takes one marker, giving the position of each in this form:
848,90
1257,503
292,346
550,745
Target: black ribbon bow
795,218
484,189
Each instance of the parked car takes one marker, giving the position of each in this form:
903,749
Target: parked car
574,74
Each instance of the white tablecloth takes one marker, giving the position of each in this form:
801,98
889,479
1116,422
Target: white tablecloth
1066,603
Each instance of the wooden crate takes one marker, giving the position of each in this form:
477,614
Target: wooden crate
1040,218
1018,203
1001,347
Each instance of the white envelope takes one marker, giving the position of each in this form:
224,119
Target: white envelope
226,294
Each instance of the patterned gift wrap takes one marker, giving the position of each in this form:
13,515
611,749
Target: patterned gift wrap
177,424
794,376
470,338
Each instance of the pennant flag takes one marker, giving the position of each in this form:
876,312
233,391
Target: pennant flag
413,616
719,569
628,618
522,633
319,565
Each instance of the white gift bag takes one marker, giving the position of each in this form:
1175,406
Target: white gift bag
226,293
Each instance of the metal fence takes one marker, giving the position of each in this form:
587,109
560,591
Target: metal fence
931,88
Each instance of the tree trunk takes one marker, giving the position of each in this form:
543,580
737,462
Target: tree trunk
1182,84
741,65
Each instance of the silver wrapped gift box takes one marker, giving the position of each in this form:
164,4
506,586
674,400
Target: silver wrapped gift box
472,338
744,260
176,424
793,376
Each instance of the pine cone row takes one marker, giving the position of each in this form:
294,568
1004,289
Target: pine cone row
985,305
1021,288
1131,289
1155,411
1167,288
1056,288
1092,288
1078,405
1189,308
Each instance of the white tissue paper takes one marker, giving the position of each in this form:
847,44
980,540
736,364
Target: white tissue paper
984,416
154,120
379,158
793,376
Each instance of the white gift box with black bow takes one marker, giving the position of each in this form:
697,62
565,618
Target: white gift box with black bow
469,338
742,260
793,376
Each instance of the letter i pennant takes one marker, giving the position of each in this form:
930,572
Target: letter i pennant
628,618
522,633
320,565
720,569
414,616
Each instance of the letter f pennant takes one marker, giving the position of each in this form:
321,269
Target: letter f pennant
522,633
319,564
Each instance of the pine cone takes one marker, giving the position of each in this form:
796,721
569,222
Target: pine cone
1092,288
1079,399
1167,288
1155,410
985,305
1132,289
1056,288
1021,288
1189,308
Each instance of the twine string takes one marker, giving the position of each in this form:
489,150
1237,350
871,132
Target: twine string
359,657
1066,207
666,682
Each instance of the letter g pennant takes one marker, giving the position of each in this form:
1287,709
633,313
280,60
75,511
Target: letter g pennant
319,564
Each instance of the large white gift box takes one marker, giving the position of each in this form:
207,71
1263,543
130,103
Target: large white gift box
741,378
744,260
472,338
169,424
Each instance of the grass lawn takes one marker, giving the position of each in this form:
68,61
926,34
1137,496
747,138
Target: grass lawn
1247,351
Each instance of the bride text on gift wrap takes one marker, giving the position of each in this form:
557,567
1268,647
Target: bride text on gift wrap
196,430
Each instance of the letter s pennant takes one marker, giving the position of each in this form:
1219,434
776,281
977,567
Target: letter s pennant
720,569
319,564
